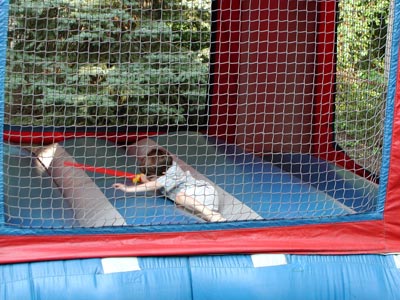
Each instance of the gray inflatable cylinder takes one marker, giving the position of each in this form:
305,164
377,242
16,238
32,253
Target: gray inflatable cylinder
91,207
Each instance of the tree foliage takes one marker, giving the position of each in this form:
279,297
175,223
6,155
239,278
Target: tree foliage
113,62
361,76
362,35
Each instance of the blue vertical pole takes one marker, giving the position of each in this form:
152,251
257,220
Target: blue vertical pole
390,104
3,47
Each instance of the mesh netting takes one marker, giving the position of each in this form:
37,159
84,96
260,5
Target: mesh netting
161,73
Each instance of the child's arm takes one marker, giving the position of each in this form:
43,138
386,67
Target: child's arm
148,186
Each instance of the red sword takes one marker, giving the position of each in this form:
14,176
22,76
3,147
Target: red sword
116,173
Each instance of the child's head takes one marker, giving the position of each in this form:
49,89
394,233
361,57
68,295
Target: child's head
156,162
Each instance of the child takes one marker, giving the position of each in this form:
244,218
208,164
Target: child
160,172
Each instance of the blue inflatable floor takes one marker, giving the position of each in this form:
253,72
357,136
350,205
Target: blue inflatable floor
316,189
309,188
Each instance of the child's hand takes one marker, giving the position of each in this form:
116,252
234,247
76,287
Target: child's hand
143,178
119,186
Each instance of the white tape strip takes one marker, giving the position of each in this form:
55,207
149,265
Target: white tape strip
120,264
396,258
268,260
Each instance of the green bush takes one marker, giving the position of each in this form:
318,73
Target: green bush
111,62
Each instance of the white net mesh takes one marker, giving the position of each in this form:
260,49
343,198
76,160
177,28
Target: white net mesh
229,91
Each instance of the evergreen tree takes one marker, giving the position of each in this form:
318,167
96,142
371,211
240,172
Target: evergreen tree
113,62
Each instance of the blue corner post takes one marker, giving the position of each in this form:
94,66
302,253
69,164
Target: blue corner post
3,46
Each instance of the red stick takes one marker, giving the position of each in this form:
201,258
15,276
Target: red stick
107,171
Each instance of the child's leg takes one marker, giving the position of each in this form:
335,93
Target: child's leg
206,213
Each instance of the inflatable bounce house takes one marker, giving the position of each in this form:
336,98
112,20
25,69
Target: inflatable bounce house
288,111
